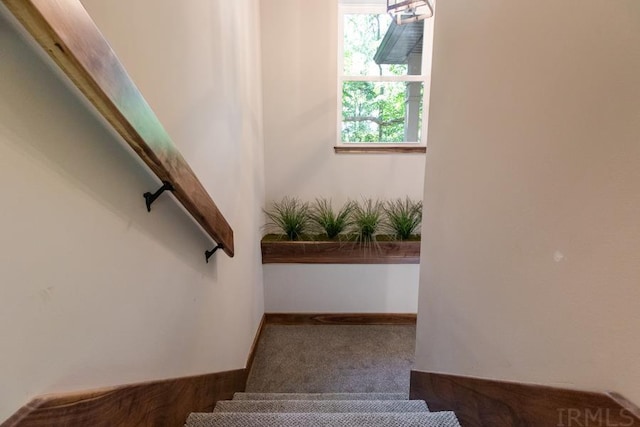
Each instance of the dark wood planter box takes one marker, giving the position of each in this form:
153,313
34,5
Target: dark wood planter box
325,252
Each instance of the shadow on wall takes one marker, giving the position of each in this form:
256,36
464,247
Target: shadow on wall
55,128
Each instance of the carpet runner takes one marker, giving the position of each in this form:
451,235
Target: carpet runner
322,409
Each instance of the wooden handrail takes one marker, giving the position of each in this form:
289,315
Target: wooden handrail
67,33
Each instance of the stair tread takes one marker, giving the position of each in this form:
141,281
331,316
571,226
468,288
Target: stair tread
320,396
408,419
324,406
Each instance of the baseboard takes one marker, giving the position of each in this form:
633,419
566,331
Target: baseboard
340,318
484,402
254,346
165,403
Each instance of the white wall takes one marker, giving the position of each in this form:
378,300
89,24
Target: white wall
96,291
340,288
532,208
299,75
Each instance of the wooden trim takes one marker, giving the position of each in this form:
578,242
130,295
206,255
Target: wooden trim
340,318
483,402
161,403
379,150
67,33
254,345
388,252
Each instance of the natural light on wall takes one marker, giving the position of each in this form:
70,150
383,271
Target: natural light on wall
384,63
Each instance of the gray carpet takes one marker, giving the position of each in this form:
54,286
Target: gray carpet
322,396
298,406
333,358
410,419
329,375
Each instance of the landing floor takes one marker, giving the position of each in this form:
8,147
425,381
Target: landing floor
333,358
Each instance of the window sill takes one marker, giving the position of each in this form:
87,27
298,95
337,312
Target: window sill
331,252
368,149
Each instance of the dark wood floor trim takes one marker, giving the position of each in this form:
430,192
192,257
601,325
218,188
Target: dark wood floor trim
156,403
483,402
69,36
254,345
340,318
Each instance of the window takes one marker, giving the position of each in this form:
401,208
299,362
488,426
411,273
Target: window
382,79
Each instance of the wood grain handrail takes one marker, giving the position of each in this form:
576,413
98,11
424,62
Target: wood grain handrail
67,33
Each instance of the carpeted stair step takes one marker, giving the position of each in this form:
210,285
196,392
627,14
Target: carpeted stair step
320,396
409,419
324,406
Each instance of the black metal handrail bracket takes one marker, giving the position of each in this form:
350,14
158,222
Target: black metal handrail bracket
149,198
208,254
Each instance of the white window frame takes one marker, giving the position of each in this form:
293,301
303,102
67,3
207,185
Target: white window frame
424,77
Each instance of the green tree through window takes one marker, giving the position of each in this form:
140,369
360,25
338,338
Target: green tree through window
374,96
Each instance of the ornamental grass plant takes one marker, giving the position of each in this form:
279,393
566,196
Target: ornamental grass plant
368,219
290,216
403,217
327,221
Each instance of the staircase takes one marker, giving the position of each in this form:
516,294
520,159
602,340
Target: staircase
321,409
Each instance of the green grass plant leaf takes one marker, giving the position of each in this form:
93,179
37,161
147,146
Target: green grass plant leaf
329,222
290,217
368,218
403,217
